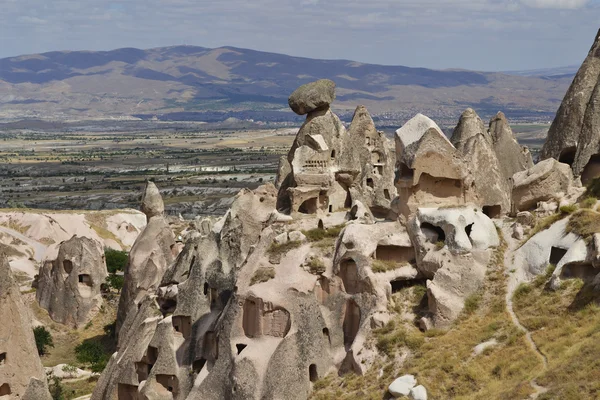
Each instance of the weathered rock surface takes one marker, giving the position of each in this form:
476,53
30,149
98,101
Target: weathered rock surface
565,137
150,256
453,248
430,172
512,156
545,181
475,143
312,96
69,286
402,386
21,373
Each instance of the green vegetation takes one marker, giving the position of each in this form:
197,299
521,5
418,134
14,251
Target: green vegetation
93,354
584,223
383,266
281,249
588,202
56,388
593,188
116,260
316,266
43,339
115,281
263,274
472,303
318,234
569,209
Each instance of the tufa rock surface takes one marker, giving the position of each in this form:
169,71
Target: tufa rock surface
512,156
312,96
21,373
150,256
575,119
69,286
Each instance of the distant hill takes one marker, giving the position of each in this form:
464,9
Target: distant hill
185,80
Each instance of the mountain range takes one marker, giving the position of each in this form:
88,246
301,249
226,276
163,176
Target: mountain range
192,82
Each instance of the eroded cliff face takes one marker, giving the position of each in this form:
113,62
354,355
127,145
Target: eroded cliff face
289,284
574,137
21,373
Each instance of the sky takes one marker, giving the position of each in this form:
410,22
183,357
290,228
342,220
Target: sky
485,35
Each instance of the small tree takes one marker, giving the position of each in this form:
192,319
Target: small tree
116,260
43,339
55,387
92,352
115,281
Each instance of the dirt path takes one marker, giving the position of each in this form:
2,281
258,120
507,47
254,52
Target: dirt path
513,283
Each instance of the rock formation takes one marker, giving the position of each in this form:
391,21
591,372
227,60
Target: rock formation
476,145
547,180
430,172
21,373
149,257
573,137
328,167
512,156
69,286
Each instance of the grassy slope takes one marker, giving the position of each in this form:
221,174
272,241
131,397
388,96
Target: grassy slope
443,361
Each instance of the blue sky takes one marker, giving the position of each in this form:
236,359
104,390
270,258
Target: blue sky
492,35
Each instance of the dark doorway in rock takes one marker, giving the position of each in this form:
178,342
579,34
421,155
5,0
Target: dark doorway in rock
308,206
169,382
205,288
333,154
198,365
5,389
2,358
405,172
399,284
183,324
469,229
567,156
330,208
326,335
85,279
127,392
433,233
349,275
313,375
583,270
591,170
351,323
492,211
167,306
67,266
251,318
556,254
399,254
370,183
240,347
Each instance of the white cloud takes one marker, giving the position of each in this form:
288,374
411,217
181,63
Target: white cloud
560,4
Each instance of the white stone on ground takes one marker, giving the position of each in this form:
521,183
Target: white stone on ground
402,386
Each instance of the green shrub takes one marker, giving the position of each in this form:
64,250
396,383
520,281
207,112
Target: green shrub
262,274
383,266
522,290
92,353
472,303
115,281
280,249
318,234
593,188
589,202
568,209
316,266
55,387
116,260
43,339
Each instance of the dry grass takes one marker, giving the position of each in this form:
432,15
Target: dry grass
543,224
584,223
384,265
565,325
316,235
316,266
443,361
78,388
281,249
263,274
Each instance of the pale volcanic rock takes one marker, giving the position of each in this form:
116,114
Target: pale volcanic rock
511,156
312,96
21,373
69,285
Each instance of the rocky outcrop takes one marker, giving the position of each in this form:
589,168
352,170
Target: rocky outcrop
575,123
312,96
547,180
453,248
430,172
476,145
328,168
512,156
150,256
21,373
69,286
